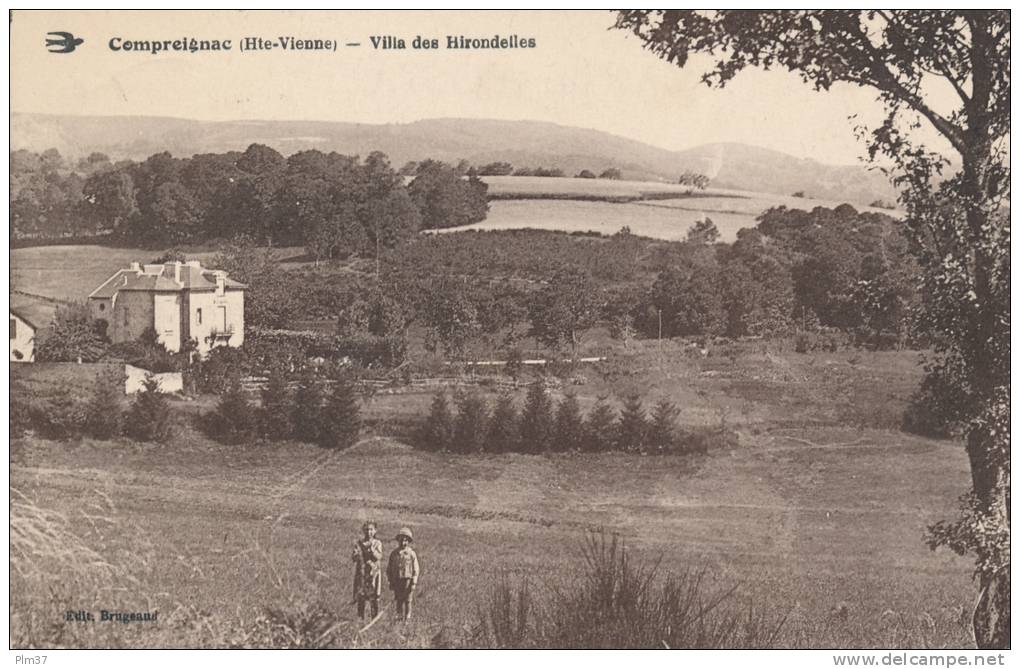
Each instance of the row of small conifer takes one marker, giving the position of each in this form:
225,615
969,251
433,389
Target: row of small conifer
542,426
315,411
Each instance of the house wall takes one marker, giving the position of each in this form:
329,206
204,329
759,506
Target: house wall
132,313
167,319
22,341
102,308
212,319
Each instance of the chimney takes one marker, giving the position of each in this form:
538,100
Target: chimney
221,281
136,268
197,264
173,269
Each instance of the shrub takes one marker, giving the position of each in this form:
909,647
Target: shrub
73,336
340,422
306,412
233,419
470,430
104,413
148,418
598,428
537,420
275,413
503,428
701,441
662,428
212,374
61,414
633,426
569,428
437,432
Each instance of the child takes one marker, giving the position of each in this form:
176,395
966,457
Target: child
367,554
402,573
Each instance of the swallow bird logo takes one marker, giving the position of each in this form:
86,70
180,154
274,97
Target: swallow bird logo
61,42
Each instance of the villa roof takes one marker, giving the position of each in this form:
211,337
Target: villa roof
193,277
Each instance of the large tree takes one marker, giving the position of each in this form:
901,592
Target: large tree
959,224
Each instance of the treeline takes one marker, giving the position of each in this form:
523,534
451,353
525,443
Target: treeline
331,204
541,426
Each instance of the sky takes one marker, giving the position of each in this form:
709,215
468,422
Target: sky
580,73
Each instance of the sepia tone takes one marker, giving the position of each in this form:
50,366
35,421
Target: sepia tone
512,329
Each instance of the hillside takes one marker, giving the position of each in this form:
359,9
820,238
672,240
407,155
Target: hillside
523,143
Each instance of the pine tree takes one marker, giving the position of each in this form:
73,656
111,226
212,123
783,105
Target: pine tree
537,420
662,430
104,413
340,420
503,429
148,419
233,419
276,413
437,432
307,408
569,432
633,426
599,427
471,426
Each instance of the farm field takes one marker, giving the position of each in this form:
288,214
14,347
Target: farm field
608,218
817,513
545,203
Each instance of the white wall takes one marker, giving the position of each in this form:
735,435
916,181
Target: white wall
23,341
210,304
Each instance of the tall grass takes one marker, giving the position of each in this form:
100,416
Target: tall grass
615,603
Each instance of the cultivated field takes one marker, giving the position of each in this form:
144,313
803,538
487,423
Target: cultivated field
817,513
661,211
607,218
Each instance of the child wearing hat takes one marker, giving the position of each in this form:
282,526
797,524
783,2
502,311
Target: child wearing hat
402,573
367,555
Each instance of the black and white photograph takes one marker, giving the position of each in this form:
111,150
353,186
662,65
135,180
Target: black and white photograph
521,329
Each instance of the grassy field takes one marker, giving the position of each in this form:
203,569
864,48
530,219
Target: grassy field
817,514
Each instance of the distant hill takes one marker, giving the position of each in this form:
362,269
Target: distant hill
522,143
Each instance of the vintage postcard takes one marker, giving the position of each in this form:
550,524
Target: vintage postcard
516,329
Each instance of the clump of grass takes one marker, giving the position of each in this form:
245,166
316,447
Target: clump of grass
615,603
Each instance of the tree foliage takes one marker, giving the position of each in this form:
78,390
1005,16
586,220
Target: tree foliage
73,336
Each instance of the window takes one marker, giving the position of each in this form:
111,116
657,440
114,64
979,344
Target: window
222,320
102,306
14,329
198,314
126,310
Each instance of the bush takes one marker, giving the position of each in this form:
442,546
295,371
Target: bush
569,430
340,422
503,428
213,374
470,431
233,419
104,413
73,336
662,429
306,412
275,413
61,414
148,419
437,432
598,427
537,420
633,426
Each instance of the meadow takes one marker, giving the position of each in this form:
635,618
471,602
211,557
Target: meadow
816,514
